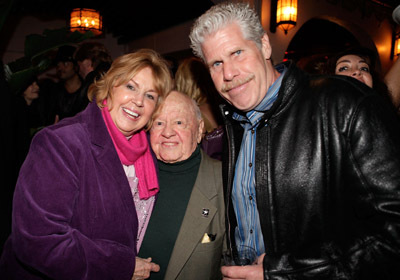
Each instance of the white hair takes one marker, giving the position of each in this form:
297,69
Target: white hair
220,16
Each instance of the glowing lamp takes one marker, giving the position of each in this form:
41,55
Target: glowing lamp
397,46
83,20
286,14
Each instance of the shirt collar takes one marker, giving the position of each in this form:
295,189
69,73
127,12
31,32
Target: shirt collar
254,115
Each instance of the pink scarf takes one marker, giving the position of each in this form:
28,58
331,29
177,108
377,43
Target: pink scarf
135,151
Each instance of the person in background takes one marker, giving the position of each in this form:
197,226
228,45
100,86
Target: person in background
47,101
356,65
26,122
31,92
186,229
359,63
69,101
8,154
311,169
29,118
93,60
193,79
313,64
80,203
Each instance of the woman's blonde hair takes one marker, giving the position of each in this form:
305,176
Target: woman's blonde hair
125,67
193,78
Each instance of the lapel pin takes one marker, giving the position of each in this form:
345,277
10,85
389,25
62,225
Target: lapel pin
205,212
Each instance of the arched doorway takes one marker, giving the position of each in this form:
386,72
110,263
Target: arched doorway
320,38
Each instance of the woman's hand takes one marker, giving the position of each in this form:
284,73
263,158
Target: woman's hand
143,268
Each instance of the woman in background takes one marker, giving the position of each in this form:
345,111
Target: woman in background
360,63
193,79
28,116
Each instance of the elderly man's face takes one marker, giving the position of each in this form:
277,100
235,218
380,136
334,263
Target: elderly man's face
238,67
176,131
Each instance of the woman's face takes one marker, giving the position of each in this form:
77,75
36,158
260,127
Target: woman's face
133,102
356,67
31,92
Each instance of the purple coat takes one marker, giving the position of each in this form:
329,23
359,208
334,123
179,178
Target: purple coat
73,212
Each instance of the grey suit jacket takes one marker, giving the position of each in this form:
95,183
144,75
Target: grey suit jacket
192,259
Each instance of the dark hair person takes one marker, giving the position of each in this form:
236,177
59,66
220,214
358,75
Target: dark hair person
360,64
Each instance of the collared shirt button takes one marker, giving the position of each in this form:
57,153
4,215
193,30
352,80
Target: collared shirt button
250,197
250,164
251,231
252,131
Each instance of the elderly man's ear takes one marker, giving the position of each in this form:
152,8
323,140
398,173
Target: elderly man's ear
200,132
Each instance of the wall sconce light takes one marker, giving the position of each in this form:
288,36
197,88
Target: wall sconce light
286,14
396,49
83,20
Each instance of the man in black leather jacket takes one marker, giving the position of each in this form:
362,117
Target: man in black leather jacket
318,156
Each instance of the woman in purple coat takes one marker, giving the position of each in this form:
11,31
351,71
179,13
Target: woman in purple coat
87,186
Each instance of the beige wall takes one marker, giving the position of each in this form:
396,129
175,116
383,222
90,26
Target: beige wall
167,41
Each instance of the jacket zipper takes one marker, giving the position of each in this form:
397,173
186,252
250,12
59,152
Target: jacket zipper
231,158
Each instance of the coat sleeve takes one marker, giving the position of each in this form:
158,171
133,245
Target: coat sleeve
371,170
46,194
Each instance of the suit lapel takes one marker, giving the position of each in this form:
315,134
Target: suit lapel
194,223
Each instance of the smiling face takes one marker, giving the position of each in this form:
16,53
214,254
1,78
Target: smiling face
242,73
176,130
133,102
356,67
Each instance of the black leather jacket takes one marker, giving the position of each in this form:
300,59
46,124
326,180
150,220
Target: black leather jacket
327,180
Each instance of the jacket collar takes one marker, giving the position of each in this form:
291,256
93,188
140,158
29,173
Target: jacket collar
292,80
96,127
104,151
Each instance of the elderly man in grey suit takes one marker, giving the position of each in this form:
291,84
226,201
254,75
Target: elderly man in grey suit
186,229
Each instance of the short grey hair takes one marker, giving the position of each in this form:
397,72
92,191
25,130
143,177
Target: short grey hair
195,105
221,15
196,108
